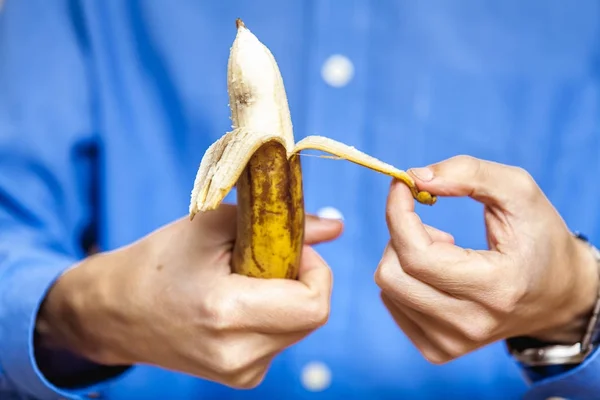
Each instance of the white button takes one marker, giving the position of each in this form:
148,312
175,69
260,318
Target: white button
316,376
337,70
556,398
330,213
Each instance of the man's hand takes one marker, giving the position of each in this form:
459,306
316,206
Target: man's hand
535,280
171,300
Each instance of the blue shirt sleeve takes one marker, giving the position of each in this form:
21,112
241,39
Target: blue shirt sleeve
47,147
573,382
581,382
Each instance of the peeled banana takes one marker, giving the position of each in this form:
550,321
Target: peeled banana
260,157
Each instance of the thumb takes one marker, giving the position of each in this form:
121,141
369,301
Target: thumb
319,230
485,181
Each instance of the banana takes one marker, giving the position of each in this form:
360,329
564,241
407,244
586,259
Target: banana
260,157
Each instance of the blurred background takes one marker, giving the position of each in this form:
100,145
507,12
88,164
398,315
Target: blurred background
408,82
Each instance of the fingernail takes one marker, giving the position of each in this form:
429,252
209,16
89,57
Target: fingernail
330,214
423,174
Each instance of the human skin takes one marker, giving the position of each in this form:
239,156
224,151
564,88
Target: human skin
535,280
171,300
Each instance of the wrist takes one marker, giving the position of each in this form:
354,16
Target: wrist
570,343
579,300
75,314
53,327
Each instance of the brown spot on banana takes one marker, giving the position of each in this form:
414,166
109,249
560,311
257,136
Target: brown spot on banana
270,224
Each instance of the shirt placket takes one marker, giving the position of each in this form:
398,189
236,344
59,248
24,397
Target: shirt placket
336,95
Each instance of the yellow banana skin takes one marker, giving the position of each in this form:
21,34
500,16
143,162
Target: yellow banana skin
270,224
259,156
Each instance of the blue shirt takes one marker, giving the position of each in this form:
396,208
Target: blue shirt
106,108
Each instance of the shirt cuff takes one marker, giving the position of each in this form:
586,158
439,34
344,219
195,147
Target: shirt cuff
23,286
580,382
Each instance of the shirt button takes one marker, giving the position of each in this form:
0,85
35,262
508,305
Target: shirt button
337,70
330,213
316,376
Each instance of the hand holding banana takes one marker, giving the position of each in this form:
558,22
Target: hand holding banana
171,300
536,279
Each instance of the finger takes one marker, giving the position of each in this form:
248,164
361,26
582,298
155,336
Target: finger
320,230
442,335
401,217
439,263
254,375
280,305
413,331
417,294
485,181
316,275
262,349
237,359
411,239
218,226
281,341
249,353
438,235
437,295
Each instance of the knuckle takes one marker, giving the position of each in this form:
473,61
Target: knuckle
379,275
466,159
468,163
328,276
385,276
219,311
228,364
412,268
508,300
249,380
436,357
454,348
479,330
317,312
524,182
